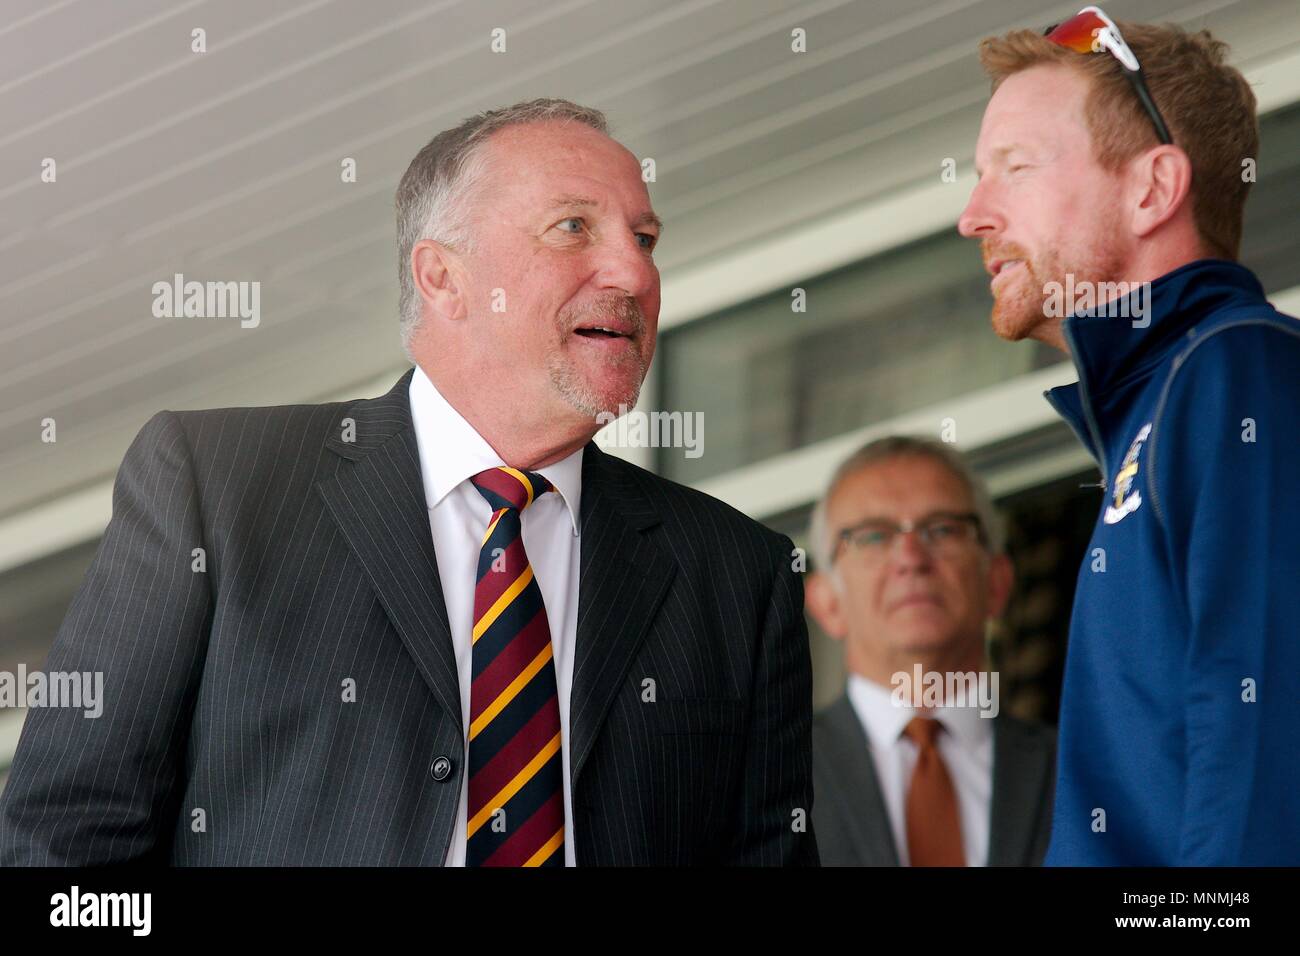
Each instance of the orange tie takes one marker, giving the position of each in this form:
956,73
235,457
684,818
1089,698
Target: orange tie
933,825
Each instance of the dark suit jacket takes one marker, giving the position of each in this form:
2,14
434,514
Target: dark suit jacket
852,823
225,738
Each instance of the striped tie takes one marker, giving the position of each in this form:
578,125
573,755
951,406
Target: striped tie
516,783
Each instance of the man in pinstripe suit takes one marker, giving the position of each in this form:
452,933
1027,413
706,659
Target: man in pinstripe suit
439,626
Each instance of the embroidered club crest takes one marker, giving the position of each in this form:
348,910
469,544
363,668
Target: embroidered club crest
1127,497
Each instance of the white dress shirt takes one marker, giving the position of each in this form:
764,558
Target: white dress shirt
451,452
965,744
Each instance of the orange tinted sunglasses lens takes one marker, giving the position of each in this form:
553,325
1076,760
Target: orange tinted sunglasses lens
1079,33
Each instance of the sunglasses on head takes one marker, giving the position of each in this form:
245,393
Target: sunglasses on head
1091,31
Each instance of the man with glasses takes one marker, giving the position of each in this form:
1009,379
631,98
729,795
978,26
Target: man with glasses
909,569
1114,162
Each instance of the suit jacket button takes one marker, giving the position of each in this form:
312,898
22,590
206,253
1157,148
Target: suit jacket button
441,768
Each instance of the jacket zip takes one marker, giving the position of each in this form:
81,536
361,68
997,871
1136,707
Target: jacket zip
1088,417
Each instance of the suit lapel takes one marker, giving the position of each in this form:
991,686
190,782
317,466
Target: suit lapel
1021,771
857,786
377,500
623,579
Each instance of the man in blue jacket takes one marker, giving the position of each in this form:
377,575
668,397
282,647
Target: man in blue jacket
1113,178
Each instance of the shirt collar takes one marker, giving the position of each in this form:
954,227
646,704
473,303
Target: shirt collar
452,452
884,721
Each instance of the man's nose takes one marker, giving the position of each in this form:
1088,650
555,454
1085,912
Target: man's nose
908,552
627,265
979,219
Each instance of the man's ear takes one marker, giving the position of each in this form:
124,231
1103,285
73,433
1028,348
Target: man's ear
439,279
1002,577
824,604
1162,186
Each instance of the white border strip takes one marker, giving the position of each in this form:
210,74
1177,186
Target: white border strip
989,415
81,516
797,478
817,248
762,489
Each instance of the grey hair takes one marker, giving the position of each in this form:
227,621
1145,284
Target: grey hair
899,446
431,198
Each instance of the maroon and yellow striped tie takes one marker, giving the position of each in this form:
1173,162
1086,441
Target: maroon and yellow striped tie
516,783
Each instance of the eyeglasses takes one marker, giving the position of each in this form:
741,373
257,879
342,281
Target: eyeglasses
943,533
1091,31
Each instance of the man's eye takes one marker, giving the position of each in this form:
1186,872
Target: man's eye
873,538
574,219
946,531
648,240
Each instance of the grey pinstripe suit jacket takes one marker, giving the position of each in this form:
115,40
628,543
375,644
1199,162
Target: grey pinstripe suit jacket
225,739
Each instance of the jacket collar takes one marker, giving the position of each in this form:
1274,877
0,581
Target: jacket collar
1109,350
1111,353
